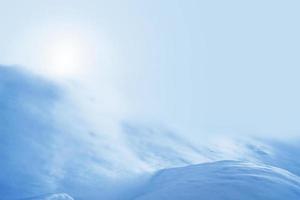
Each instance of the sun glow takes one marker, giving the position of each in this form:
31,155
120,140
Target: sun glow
66,56
65,51
62,50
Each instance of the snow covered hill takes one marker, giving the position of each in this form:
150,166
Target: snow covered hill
223,180
45,149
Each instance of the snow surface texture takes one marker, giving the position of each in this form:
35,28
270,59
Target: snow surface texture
223,180
45,160
58,196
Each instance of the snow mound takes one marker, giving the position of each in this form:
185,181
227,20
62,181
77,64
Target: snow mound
232,180
62,196
58,196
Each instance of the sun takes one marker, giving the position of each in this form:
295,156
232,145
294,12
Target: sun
61,50
65,56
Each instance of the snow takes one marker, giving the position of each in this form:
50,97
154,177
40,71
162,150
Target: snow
57,196
221,181
40,160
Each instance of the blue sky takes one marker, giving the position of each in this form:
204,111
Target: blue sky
198,67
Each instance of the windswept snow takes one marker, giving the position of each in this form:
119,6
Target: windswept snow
40,156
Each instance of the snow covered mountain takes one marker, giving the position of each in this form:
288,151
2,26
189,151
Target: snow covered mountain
49,156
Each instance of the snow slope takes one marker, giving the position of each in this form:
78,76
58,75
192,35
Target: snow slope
40,157
223,180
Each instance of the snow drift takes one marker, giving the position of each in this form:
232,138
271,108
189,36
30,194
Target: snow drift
223,180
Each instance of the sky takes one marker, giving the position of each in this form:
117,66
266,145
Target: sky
197,67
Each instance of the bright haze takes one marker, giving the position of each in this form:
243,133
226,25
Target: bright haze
198,67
